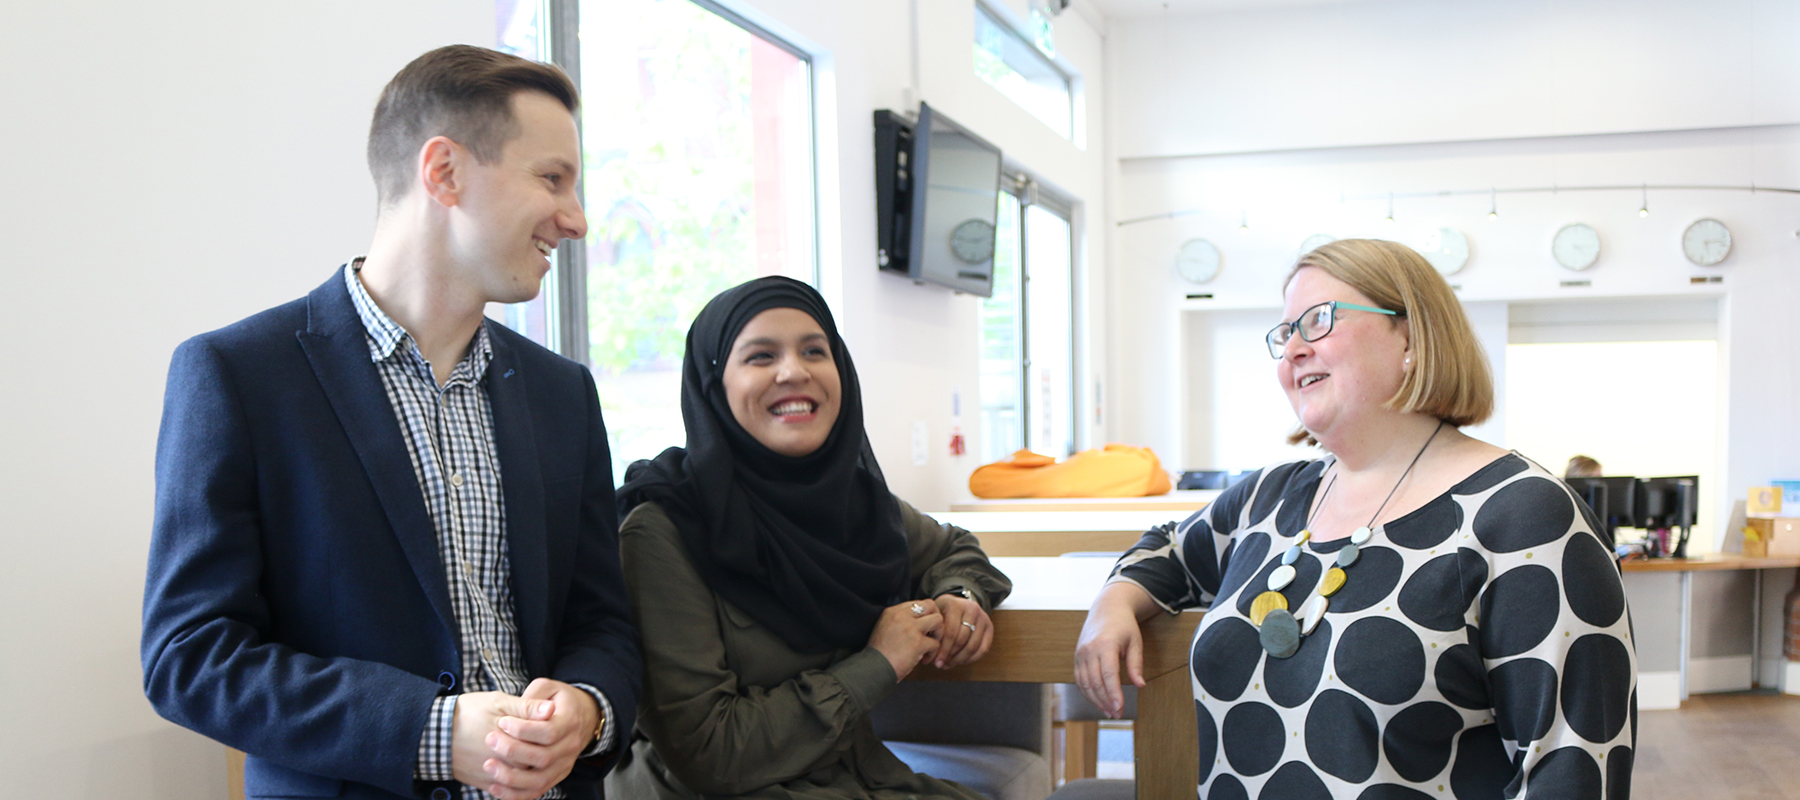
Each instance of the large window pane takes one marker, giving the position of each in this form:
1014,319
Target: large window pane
1002,356
1049,338
697,137
1022,73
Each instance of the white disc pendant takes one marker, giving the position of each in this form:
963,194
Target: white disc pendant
1311,613
1361,536
1281,577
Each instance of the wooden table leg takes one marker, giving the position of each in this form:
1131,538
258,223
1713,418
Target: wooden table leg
234,774
1166,742
1081,749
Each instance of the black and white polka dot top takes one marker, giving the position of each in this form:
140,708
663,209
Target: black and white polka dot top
1479,648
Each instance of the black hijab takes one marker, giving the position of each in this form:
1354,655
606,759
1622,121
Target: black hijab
810,546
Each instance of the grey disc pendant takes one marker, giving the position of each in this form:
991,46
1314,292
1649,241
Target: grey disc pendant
1280,633
1348,555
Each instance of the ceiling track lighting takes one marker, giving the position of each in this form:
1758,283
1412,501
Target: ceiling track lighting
1244,223
1390,216
1644,198
1493,203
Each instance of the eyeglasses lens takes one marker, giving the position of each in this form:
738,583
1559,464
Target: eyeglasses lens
1316,322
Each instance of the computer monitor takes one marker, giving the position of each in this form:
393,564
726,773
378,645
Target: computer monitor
1613,500
1670,502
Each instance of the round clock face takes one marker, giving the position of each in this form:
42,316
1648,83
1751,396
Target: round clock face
1315,241
1706,242
1447,250
973,241
1576,246
1198,261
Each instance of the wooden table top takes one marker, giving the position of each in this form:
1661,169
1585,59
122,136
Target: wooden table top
1035,629
1053,533
1133,521
1709,562
1182,500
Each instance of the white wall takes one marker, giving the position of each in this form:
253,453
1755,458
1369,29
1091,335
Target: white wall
173,167
1421,97
1424,71
170,167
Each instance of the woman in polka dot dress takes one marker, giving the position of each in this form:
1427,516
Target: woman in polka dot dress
1418,614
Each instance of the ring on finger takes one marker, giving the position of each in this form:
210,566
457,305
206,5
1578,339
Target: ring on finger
969,625
917,610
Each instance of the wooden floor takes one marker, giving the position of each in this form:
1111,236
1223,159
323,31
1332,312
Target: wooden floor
1742,746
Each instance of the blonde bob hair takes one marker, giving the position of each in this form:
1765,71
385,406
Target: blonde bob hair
1449,378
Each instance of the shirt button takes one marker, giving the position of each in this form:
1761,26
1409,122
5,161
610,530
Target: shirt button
468,569
456,479
487,653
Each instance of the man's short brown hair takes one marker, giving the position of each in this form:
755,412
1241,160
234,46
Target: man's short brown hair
1449,378
461,92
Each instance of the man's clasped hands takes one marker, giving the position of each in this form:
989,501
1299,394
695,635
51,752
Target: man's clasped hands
517,747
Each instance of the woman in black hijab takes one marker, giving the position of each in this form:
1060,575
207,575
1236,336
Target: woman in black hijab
781,589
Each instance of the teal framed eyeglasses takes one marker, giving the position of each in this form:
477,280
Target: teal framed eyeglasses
1315,323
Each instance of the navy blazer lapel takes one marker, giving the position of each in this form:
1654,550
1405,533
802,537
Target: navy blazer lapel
336,345
522,484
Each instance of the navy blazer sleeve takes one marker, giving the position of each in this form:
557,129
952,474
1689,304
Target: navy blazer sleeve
209,662
598,644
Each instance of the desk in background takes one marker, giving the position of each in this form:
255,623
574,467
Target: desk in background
1654,687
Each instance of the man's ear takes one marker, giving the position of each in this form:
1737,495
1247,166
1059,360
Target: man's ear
437,173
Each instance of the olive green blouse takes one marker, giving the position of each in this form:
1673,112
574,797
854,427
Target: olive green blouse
729,710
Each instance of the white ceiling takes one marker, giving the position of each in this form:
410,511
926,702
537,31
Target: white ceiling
1116,9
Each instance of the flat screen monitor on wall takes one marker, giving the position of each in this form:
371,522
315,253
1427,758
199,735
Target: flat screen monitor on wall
937,188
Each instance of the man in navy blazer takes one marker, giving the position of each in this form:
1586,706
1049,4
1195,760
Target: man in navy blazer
378,515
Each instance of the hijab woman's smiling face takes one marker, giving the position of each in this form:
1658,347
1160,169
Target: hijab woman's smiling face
782,383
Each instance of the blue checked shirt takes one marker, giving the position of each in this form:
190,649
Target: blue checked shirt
449,434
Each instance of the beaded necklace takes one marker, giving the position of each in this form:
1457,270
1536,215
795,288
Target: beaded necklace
1280,630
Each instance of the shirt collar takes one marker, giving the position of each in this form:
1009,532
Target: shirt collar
386,336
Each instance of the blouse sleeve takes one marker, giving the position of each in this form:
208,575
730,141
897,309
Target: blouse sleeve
945,557
716,735
1180,563
1554,635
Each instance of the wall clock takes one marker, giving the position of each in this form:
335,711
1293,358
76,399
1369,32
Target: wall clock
1447,250
1576,246
973,241
1197,261
1706,242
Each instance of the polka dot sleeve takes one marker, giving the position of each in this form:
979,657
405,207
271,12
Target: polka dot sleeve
1553,638
1182,564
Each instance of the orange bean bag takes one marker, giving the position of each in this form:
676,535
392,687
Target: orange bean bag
1116,471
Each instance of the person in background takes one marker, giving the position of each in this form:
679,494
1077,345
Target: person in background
1417,613
1582,467
385,555
782,590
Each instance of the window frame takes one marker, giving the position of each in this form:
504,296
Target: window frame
566,303
1028,192
1004,19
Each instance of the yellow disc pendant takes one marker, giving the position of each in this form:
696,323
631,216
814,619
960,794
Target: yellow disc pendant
1265,603
1333,581
1304,536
